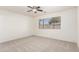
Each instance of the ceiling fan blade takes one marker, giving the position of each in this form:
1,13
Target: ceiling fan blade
29,6
40,10
38,6
29,10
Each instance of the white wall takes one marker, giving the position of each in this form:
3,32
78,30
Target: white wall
13,26
78,25
68,31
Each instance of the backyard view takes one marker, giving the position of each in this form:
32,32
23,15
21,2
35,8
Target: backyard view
50,23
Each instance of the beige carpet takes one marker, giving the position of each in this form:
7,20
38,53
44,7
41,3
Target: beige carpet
38,44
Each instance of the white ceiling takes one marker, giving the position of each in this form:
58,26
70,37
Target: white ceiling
24,9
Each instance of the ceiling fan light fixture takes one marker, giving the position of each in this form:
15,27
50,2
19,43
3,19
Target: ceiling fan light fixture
34,10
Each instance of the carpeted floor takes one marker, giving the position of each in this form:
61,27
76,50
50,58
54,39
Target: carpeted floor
38,44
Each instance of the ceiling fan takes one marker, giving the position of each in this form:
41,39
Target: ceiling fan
35,9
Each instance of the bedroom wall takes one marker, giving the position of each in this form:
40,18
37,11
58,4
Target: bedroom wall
13,26
78,25
68,31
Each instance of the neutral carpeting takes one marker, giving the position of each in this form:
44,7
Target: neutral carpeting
38,44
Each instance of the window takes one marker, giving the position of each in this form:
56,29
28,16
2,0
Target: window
50,23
